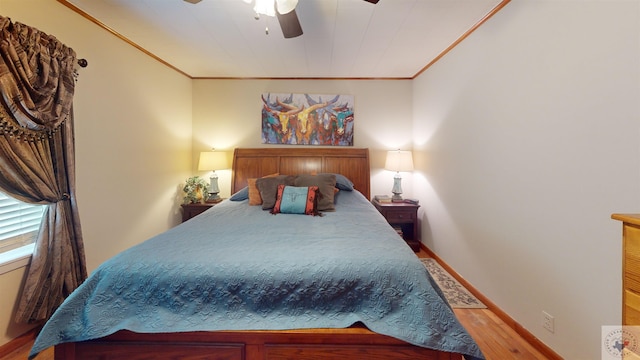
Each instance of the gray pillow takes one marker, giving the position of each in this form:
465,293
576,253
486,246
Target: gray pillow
268,187
326,184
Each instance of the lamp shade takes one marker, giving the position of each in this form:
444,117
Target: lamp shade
212,160
398,160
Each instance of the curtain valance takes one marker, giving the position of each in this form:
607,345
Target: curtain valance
37,78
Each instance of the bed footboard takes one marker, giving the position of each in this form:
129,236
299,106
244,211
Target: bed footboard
325,344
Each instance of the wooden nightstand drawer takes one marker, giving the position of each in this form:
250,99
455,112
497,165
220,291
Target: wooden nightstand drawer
191,210
401,216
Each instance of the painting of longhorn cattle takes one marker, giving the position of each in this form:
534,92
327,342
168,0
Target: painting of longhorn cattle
307,119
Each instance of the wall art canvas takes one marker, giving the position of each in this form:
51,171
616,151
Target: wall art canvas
307,119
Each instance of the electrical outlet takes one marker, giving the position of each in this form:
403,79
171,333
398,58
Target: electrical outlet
548,321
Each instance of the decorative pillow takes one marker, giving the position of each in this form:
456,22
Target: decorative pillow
243,194
268,187
343,183
254,193
296,200
326,184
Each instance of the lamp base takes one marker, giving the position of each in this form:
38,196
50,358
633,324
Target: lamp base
213,198
213,189
397,189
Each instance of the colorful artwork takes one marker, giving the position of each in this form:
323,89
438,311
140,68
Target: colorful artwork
305,119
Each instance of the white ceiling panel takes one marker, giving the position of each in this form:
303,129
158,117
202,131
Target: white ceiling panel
342,38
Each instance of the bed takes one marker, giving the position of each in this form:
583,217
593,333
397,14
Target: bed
238,282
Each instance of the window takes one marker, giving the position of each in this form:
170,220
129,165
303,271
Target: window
19,223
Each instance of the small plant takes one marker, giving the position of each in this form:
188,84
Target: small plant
194,188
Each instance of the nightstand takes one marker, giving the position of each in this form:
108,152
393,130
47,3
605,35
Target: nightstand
191,210
404,217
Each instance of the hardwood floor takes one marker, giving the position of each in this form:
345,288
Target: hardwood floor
496,339
22,353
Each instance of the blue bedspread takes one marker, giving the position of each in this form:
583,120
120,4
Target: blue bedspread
237,267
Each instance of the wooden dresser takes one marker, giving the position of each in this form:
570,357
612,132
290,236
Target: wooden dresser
630,267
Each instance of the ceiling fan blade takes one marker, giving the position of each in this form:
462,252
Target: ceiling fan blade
193,1
289,24
372,1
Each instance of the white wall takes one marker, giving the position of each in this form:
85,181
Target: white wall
133,140
226,114
527,139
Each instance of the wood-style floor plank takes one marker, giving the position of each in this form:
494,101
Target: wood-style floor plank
22,353
495,338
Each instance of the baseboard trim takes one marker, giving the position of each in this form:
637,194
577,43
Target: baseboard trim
519,329
20,341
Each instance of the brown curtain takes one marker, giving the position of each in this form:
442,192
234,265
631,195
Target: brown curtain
37,160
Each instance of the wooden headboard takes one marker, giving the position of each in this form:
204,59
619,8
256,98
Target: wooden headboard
255,163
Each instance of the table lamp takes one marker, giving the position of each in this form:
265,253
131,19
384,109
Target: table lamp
397,161
212,160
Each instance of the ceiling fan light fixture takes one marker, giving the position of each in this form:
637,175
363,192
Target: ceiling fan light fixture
269,7
286,6
284,10
264,7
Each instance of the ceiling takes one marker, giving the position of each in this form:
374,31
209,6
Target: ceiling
343,39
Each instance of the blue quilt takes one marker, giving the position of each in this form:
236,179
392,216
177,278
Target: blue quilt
238,267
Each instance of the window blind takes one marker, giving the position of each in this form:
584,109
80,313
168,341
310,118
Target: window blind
19,222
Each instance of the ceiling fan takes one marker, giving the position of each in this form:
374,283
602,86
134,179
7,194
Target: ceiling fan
284,10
